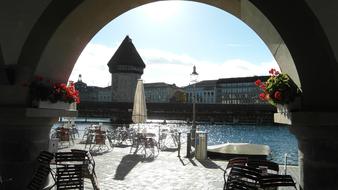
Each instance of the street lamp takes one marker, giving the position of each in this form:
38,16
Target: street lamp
193,79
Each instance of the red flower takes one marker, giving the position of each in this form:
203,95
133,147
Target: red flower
278,95
258,82
272,71
263,87
262,96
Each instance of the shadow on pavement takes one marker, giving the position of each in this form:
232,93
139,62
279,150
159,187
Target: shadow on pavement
122,145
209,164
169,149
127,163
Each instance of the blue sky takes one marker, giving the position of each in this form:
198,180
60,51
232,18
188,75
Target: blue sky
171,37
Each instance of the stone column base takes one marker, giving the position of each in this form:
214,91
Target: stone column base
318,156
21,140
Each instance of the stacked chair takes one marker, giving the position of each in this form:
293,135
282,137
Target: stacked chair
245,174
71,169
42,172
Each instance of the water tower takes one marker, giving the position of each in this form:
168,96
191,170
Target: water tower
126,67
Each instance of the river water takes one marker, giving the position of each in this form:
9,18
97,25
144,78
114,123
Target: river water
278,137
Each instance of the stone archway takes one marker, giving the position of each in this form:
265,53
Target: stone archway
292,30
78,22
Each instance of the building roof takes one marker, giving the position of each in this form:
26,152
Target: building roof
204,83
242,79
158,84
207,83
126,59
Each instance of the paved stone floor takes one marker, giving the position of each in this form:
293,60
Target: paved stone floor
117,168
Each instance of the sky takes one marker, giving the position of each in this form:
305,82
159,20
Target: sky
172,37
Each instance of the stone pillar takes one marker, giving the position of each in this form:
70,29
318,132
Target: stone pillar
21,140
317,135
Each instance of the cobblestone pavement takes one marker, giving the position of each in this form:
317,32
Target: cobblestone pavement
117,168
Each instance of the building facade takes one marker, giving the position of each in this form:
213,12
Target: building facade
93,93
162,93
240,90
205,92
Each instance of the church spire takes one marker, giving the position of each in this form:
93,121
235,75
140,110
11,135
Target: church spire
80,78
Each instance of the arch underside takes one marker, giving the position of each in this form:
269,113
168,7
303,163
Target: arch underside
295,39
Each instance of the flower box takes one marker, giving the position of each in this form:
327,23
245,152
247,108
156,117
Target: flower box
51,105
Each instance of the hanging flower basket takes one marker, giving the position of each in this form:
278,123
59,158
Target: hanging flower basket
45,94
280,91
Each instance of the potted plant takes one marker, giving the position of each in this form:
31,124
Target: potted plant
46,94
279,90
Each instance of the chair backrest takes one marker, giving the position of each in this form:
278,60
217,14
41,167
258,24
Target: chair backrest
42,172
89,168
245,172
265,163
69,170
232,162
63,134
239,184
67,157
242,176
100,136
277,181
237,161
90,162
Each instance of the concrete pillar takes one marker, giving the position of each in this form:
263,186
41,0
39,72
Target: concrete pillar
21,140
318,149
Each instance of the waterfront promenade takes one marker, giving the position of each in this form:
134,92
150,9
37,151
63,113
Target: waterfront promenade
118,169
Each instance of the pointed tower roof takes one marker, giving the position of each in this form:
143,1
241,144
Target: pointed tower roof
126,59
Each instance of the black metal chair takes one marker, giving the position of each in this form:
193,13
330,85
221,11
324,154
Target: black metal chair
69,170
268,181
271,166
42,172
243,177
232,162
89,168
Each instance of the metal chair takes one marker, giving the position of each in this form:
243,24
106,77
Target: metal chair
65,135
89,168
232,162
42,172
268,181
69,170
271,166
243,177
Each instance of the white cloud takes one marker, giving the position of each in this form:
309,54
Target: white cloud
92,64
162,66
173,68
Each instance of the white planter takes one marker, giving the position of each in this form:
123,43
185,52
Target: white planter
56,105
